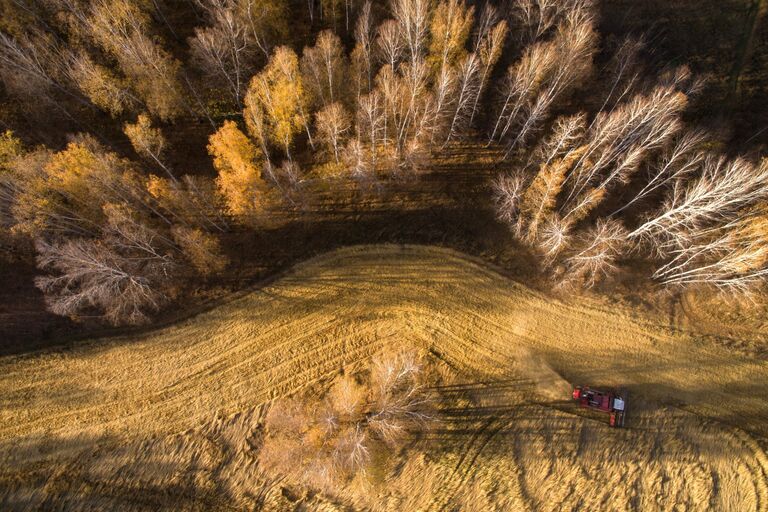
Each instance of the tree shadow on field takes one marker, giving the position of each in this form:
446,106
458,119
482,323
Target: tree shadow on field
559,431
350,272
463,422
193,471
467,409
727,388
78,394
424,285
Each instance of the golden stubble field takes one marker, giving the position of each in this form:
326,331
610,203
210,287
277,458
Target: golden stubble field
170,419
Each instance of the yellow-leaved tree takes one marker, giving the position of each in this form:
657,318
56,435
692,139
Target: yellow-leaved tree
10,149
148,141
324,68
121,28
106,90
202,250
64,192
238,162
449,31
540,198
277,98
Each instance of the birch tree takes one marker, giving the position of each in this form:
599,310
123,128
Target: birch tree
62,194
224,50
324,69
723,188
537,17
148,141
490,37
733,257
333,124
88,274
678,162
192,201
413,19
546,72
407,105
121,275
277,104
107,91
27,66
266,20
467,92
595,256
449,31
390,43
507,194
362,58
201,249
120,28
566,135
370,130
540,197
620,140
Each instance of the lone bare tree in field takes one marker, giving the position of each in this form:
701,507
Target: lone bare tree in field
326,442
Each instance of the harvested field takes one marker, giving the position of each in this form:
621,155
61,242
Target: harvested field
169,419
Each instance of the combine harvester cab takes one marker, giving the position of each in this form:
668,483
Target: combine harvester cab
612,402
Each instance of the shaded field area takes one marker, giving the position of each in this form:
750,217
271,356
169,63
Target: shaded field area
171,418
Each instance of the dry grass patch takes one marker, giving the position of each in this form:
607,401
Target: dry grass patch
173,418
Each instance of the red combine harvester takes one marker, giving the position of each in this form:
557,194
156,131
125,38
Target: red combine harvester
612,402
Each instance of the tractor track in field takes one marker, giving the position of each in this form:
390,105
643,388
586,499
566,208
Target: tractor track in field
160,393
466,466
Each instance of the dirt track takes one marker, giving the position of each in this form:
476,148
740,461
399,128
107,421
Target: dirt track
169,417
